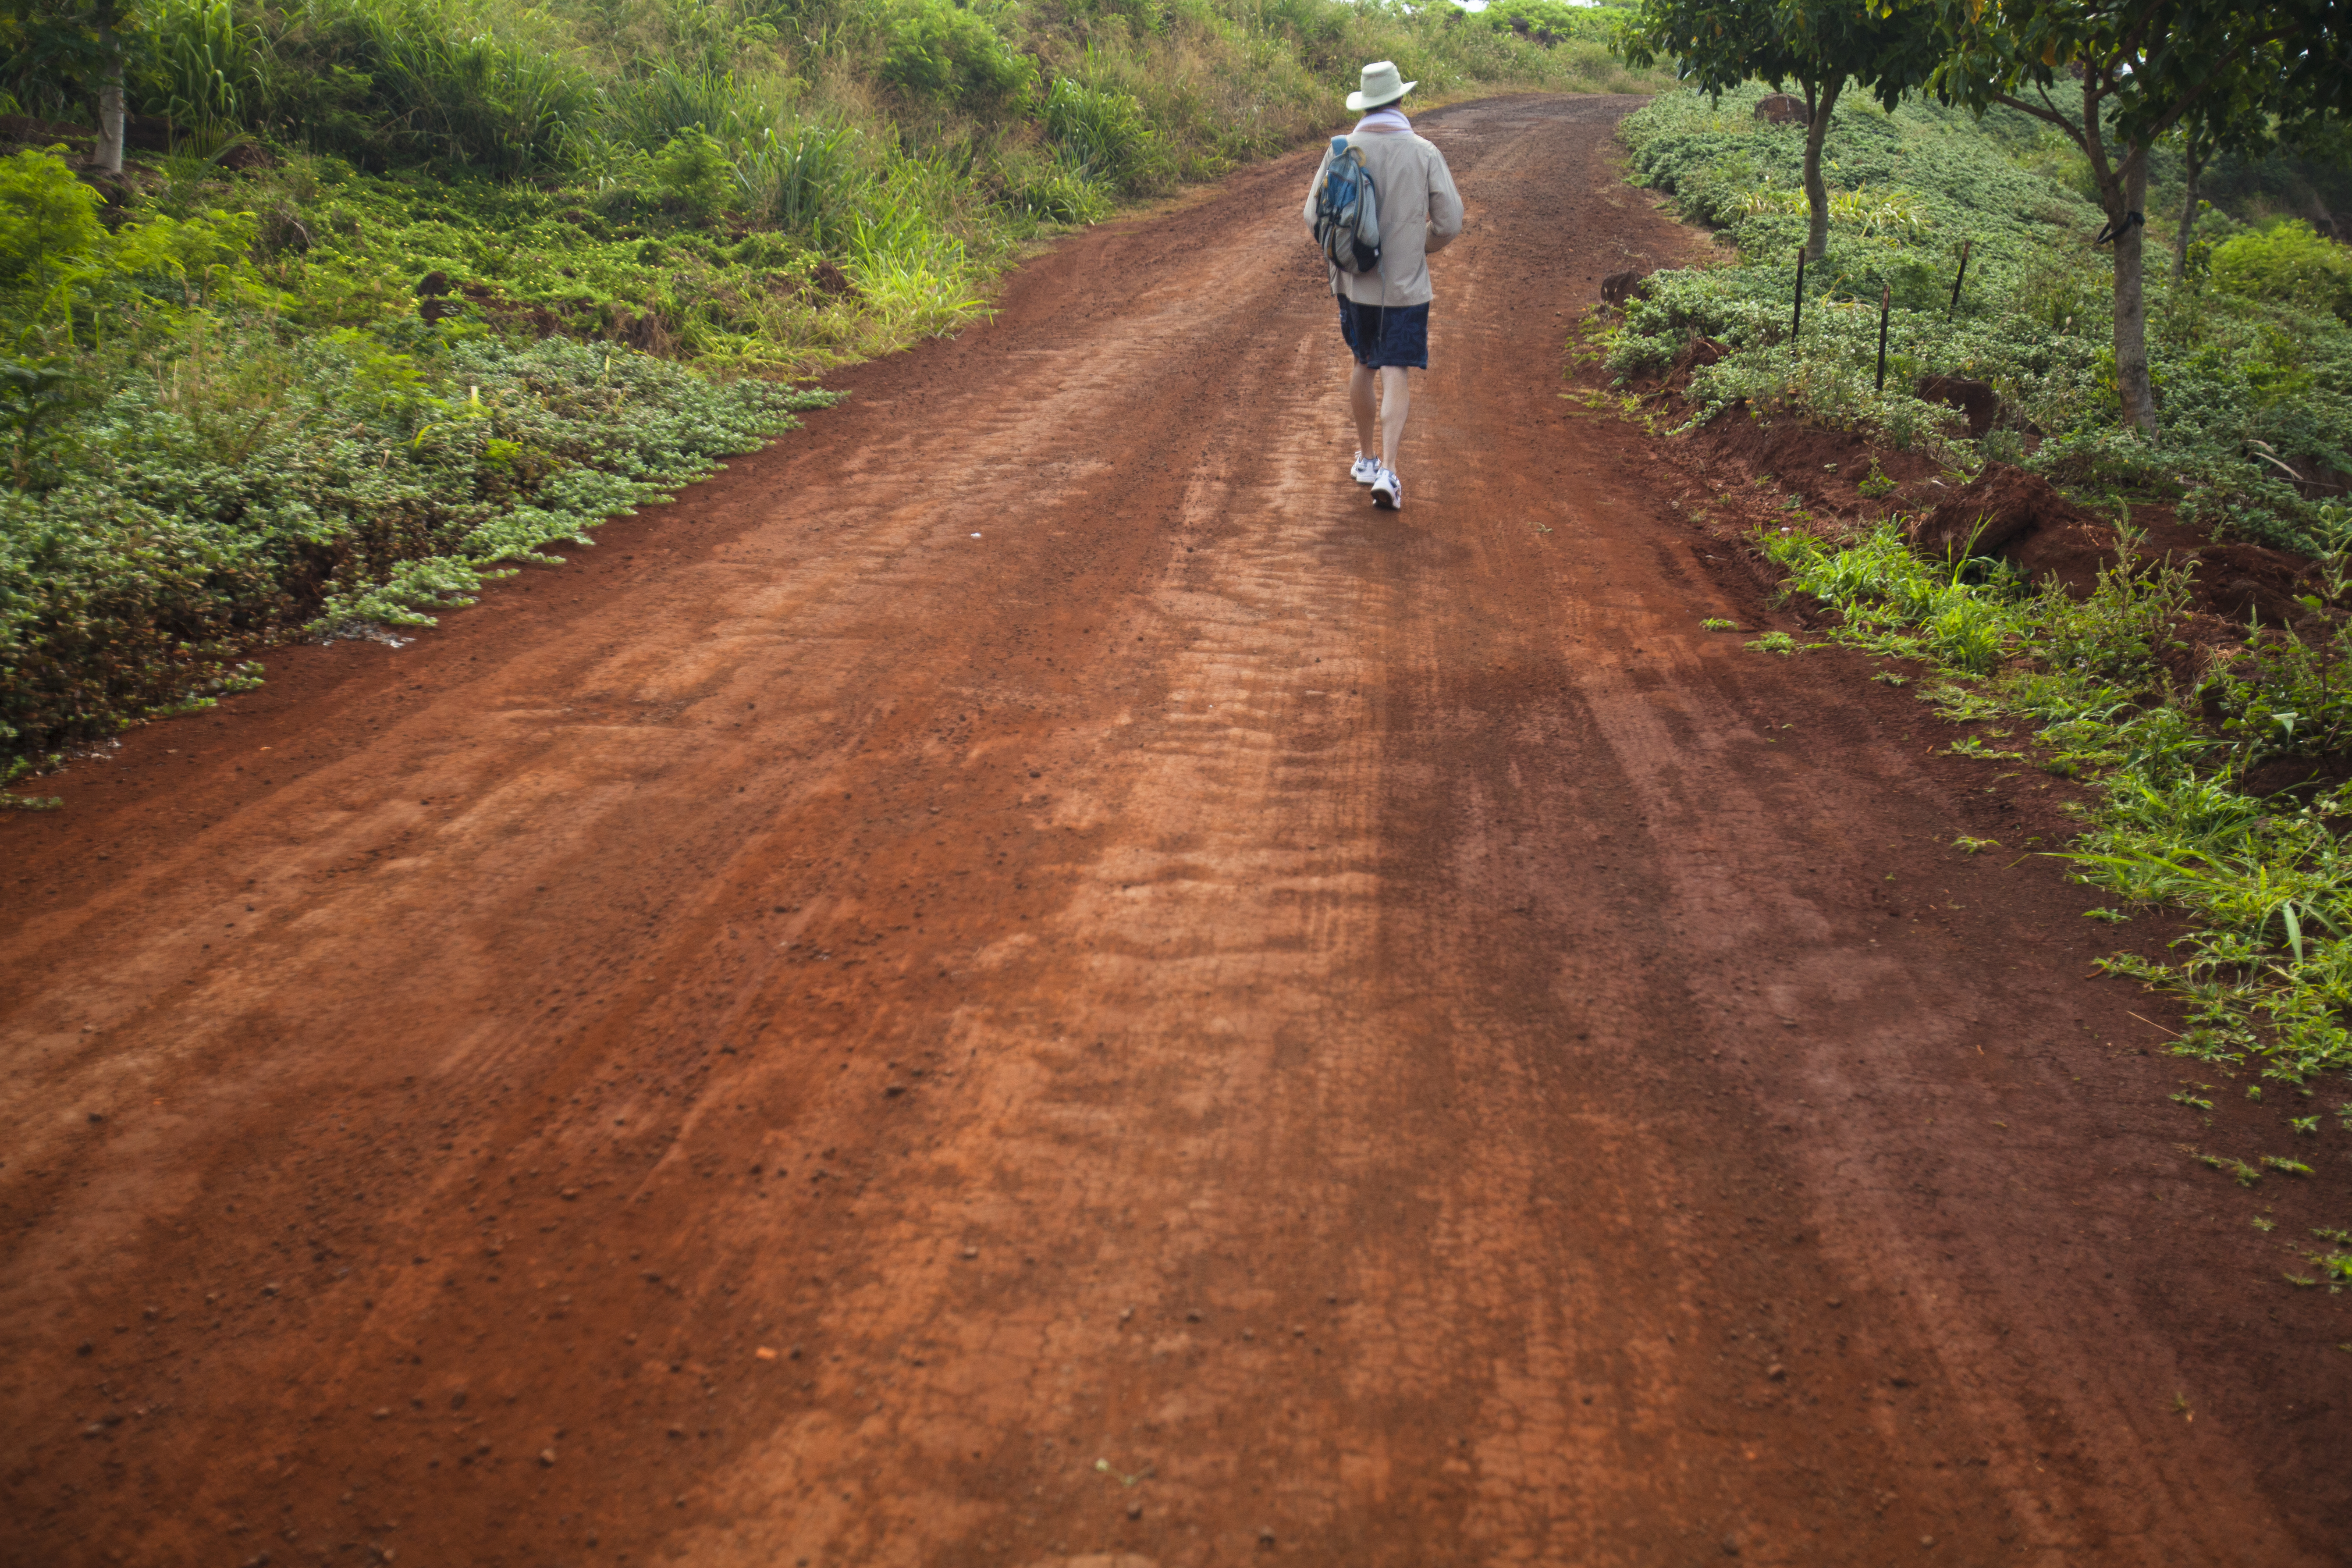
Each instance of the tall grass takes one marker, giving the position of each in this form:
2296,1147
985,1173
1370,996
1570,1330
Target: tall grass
1105,132
651,110
207,67
490,101
801,177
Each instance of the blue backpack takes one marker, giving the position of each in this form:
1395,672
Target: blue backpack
1348,211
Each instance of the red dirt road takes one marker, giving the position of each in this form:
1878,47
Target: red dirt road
1199,1023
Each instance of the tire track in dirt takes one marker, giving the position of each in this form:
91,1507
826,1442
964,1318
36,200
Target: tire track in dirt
1365,1025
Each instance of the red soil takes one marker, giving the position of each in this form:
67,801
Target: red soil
1022,979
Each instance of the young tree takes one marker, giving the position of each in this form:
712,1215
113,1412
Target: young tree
2115,75
111,24
2197,150
1888,47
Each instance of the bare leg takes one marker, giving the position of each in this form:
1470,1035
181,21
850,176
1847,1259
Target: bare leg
1360,383
1396,402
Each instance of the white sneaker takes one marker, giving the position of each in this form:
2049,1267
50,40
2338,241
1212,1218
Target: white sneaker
1364,470
1388,490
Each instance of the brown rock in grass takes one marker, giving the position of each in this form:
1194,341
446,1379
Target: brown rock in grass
1977,399
1619,287
2000,507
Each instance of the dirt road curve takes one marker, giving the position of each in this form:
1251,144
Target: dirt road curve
1199,1024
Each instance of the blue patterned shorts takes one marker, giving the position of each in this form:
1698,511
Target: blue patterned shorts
1386,334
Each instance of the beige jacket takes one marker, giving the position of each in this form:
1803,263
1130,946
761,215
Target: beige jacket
1421,212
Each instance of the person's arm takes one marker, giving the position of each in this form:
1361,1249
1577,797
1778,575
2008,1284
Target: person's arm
1444,204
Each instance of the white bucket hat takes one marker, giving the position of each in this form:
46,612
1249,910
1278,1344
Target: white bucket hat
1381,86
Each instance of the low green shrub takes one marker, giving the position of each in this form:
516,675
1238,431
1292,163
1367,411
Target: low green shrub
2288,264
802,177
67,279
37,406
650,111
464,91
1051,188
695,177
247,489
940,50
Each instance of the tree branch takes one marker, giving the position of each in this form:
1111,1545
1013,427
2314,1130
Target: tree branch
2048,112
2055,112
2093,143
2188,98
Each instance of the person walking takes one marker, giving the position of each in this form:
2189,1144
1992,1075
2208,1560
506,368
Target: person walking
1385,313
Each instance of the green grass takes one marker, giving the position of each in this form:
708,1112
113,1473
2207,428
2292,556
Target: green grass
2266,970
254,487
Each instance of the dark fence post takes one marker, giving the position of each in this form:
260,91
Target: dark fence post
1797,322
1885,301
1957,281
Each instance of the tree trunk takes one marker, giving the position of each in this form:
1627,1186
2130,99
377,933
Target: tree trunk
2188,214
1817,194
2132,380
106,155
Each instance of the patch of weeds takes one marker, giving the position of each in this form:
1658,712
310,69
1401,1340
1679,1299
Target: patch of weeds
1967,846
1874,485
2113,917
12,770
1717,624
1961,705
2266,881
2335,1266
1781,643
